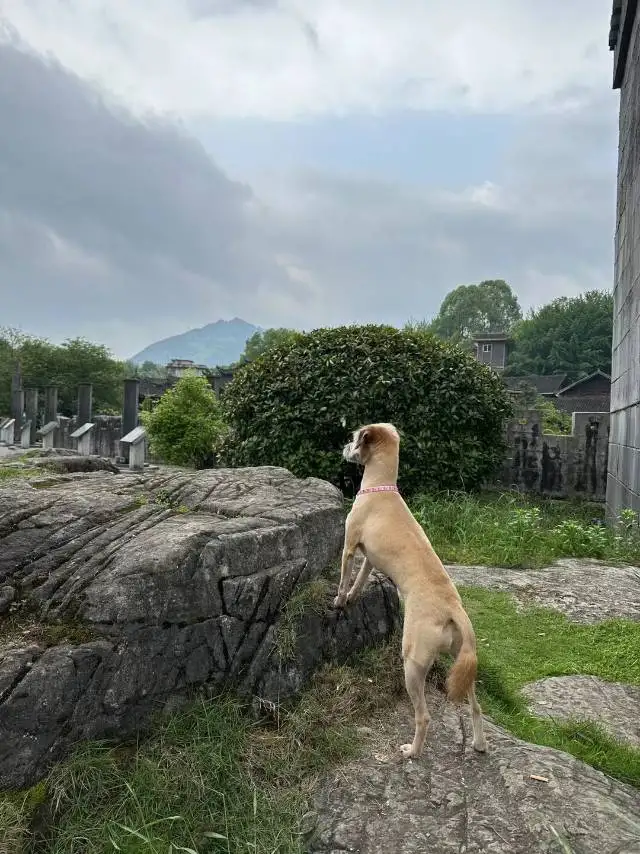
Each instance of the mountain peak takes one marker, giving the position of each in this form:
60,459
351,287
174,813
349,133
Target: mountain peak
218,343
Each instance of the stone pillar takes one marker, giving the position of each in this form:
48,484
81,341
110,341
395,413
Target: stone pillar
623,483
25,436
137,454
85,403
51,404
31,411
130,411
17,402
17,413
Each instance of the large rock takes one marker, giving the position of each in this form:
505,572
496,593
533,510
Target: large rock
586,591
613,705
517,799
159,584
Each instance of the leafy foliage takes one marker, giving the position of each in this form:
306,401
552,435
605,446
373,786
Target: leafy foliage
75,361
266,339
147,370
554,420
571,336
296,405
490,306
185,424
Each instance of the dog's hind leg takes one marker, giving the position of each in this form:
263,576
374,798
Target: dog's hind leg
361,578
479,741
414,676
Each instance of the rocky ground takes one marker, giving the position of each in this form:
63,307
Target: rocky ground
518,798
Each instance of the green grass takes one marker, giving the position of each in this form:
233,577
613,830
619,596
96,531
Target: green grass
210,779
517,647
9,473
512,530
308,598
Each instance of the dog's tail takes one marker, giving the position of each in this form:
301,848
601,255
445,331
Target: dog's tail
465,668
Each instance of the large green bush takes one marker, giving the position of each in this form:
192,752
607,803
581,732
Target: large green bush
296,404
185,424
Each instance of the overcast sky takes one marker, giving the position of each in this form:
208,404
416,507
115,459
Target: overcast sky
297,162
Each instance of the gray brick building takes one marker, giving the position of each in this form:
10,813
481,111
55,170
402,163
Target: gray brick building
623,479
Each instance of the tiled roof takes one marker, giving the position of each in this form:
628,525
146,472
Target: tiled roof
491,336
614,26
584,380
596,403
544,383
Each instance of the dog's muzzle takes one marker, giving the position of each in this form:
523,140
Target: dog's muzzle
350,454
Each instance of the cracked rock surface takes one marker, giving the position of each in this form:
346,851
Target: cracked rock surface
516,799
125,592
519,798
586,591
612,704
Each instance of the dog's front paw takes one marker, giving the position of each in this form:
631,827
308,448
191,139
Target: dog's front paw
339,601
352,597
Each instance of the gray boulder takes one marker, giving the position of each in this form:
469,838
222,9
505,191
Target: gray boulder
517,799
160,583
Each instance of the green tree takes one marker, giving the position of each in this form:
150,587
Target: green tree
569,335
266,339
185,424
74,362
490,306
296,405
147,370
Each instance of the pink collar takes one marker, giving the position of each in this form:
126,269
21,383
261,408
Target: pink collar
388,488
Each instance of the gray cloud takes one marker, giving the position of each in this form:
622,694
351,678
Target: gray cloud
547,227
124,229
140,203
209,8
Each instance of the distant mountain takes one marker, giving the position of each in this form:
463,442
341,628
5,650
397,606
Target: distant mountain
219,343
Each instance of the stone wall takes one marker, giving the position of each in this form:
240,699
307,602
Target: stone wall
558,466
623,483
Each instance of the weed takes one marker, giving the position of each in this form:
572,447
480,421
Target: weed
309,597
514,530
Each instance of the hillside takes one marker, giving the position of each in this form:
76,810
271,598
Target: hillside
219,343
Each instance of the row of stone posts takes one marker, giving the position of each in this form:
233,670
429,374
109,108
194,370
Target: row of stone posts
21,428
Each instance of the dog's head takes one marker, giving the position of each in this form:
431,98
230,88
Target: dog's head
370,440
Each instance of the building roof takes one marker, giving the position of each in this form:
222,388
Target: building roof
614,26
154,386
581,381
592,403
623,13
543,383
491,336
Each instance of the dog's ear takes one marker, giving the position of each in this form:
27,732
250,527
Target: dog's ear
364,438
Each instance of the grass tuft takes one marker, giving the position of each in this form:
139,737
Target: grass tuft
307,598
210,779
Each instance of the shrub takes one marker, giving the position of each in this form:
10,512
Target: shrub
296,405
185,424
554,420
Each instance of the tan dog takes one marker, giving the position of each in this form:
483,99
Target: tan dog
381,526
